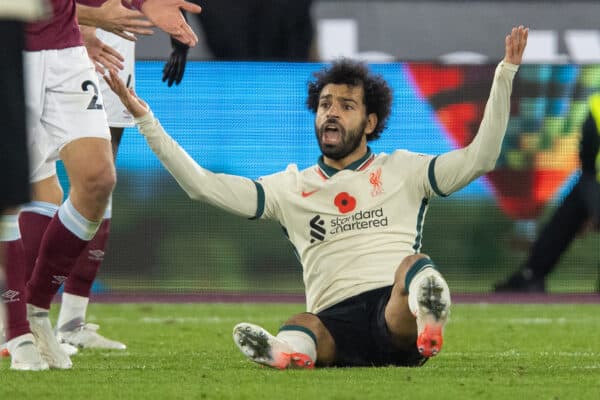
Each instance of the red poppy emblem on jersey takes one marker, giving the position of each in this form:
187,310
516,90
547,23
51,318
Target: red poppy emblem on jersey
344,202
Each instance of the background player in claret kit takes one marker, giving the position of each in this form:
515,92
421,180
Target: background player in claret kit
14,159
117,26
113,17
66,120
372,297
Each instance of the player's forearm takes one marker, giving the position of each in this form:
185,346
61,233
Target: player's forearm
90,16
231,193
456,169
96,16
488,142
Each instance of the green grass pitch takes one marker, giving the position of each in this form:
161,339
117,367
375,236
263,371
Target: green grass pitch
186,352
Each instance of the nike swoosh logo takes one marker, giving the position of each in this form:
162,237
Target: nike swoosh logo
306,194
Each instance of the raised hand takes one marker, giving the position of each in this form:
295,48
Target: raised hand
136,106
514,45
175,66
166,14
102,55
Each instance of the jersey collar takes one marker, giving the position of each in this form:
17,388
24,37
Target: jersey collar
357,165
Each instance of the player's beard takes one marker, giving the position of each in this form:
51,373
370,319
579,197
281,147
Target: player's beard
350,140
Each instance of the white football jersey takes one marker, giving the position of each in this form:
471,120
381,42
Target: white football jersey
351,228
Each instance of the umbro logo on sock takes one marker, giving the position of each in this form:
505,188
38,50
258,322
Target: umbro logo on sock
96,255
10,296
59,279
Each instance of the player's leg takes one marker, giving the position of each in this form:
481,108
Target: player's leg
34,219
20,259
302,342
71,325
66,235
20,343
75,123
554,239
35,216
419,306
22,253
14,182
3,351
47,195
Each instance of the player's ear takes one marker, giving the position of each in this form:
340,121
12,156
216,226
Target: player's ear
371,123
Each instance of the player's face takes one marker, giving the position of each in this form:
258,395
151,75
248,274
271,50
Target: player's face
341,120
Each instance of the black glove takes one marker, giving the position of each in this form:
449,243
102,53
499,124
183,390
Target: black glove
175,67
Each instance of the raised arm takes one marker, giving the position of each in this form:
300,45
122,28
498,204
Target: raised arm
454,170
231,193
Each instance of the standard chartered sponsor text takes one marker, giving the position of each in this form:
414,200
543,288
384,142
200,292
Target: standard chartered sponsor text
359,220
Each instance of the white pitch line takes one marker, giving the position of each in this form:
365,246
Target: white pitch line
182,320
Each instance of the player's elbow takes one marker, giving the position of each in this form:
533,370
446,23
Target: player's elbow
193,195
485,165
488,166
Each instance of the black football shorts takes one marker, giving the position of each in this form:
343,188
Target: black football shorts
360,333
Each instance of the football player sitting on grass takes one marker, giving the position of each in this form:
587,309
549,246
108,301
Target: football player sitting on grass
355,219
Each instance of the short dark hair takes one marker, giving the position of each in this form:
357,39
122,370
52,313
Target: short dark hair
378,95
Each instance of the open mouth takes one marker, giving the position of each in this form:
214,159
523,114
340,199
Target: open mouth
331,133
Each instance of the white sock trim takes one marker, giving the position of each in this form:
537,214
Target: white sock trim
81,227
14,343
72,307
9,228
108,211
415,283
41,207
299,341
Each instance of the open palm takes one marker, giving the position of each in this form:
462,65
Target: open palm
514,45
166,14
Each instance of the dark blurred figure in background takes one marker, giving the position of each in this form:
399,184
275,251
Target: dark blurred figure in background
13,157
258,29
14,166
251,30
578,213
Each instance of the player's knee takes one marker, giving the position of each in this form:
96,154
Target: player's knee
99,183
306,319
